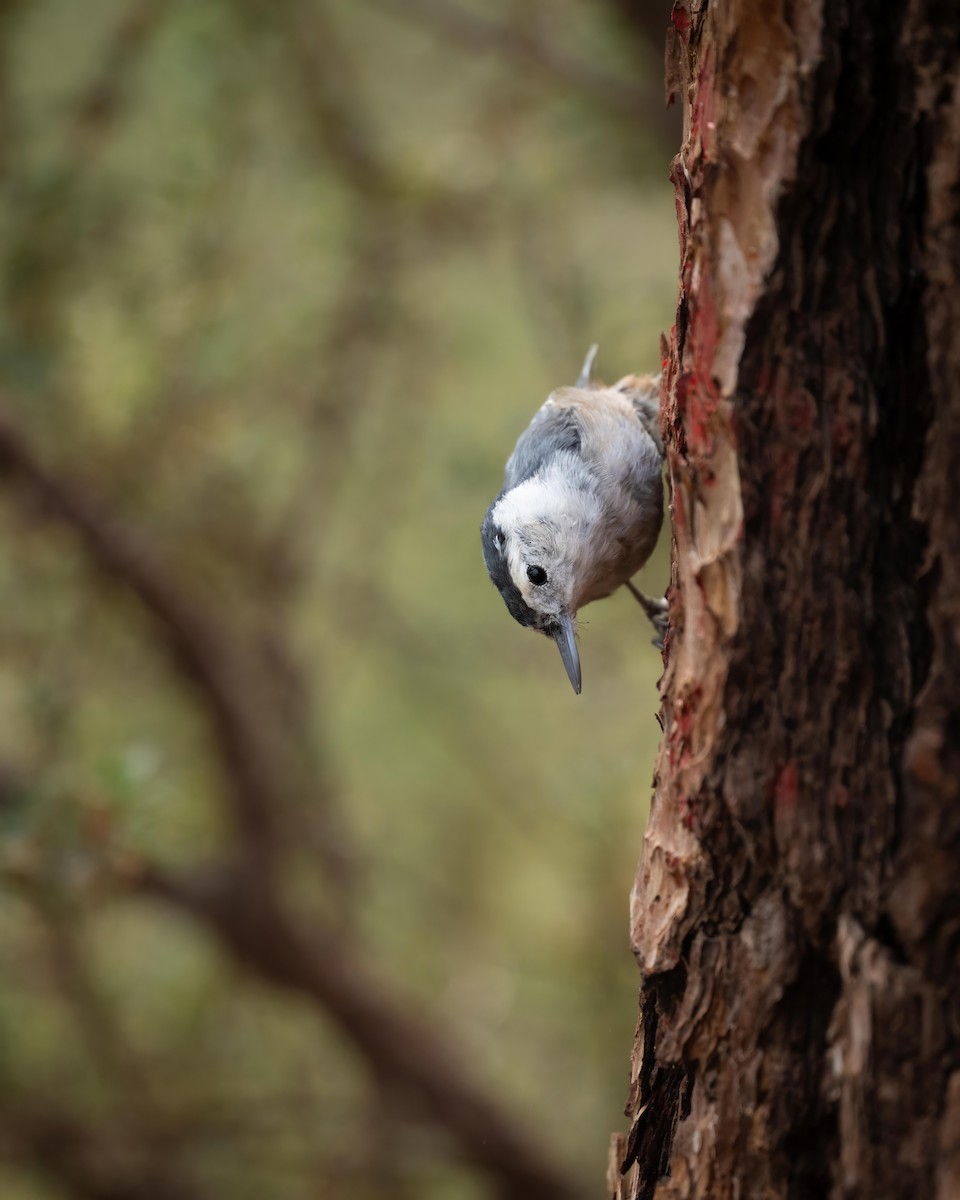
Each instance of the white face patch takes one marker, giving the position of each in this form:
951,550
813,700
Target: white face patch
546,519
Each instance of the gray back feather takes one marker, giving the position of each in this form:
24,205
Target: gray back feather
551,431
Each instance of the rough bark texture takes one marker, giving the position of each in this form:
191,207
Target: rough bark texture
797,910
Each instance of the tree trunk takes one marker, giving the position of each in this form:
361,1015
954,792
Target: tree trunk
797,910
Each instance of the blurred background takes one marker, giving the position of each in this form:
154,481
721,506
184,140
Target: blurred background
313,869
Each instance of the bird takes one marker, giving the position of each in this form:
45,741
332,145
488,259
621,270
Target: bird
581,507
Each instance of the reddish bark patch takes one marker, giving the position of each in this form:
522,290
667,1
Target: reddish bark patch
680,16
785,788
703,127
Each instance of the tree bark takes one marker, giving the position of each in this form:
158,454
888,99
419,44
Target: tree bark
796,913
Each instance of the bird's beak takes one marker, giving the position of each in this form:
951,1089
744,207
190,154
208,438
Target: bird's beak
567,645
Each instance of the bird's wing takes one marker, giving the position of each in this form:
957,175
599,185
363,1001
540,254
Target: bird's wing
555,427
615,448
644,392
568,419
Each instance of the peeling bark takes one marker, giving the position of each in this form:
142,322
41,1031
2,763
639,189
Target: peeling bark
796,913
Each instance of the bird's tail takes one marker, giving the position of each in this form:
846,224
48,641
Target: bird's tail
585,379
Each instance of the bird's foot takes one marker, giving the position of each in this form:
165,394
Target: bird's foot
656,611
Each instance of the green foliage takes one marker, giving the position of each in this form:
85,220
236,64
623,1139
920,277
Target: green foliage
282,283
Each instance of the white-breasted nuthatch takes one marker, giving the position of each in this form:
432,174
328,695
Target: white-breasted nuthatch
581,506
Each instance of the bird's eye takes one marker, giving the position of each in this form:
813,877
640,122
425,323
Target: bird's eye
537,575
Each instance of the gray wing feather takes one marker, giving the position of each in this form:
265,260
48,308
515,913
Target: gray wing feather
551,431
644,393
557,426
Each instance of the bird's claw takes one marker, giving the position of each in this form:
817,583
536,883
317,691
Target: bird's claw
656,610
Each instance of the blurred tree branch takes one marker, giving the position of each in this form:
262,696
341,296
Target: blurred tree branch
339,387
88,1159
95,1018
341,127
259,741
648,20
74,265
332,106
387,202
242,902
44,243
245,911
124,1155
535,52
101,103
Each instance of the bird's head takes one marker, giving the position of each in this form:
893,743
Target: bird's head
532,552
